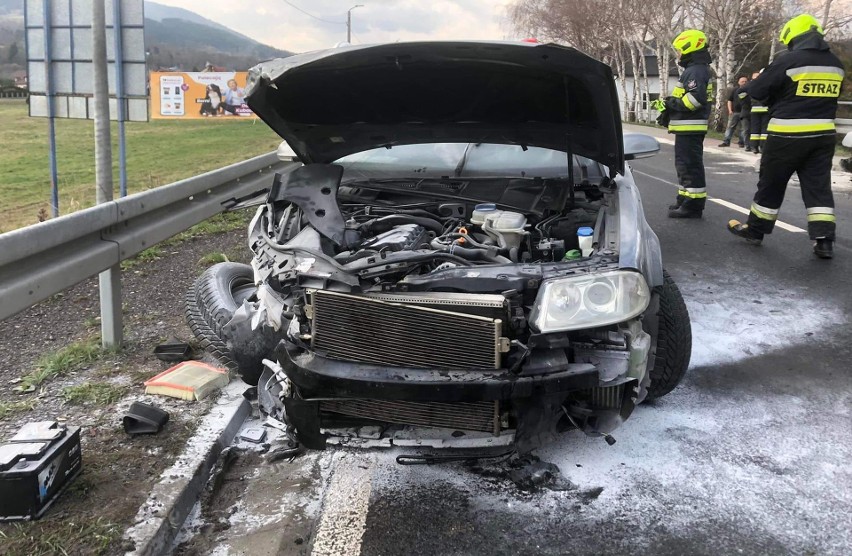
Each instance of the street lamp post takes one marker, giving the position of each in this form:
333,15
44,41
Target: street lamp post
349,22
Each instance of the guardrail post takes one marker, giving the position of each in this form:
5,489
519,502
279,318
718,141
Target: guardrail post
112,321
110,279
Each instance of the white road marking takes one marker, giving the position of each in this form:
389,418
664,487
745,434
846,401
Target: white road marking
345,506
724,203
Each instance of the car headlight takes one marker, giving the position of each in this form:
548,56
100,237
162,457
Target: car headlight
589,301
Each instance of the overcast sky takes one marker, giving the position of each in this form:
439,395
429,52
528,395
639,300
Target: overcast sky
278,24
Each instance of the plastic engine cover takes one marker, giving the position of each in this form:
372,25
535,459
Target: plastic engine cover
403,237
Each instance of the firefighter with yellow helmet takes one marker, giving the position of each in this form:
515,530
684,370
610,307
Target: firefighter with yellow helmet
685,114
801,89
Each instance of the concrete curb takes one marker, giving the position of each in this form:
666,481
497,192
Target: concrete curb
161,516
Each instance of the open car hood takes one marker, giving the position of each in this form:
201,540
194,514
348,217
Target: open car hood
332,103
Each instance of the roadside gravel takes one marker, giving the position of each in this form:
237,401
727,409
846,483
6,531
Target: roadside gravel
117,470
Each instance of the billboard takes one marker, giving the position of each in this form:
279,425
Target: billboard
182,95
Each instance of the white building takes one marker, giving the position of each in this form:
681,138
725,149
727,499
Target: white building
629,79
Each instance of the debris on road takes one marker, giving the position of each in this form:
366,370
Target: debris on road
190,380
253,434
173,351
143,418
36,465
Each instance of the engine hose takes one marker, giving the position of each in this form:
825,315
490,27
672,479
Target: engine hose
513,254
477,254
385,223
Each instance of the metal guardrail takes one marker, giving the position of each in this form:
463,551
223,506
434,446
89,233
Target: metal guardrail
46,258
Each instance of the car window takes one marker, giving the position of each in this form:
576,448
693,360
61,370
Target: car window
464,160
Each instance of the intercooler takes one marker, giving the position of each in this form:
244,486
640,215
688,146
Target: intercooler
435,331
474,416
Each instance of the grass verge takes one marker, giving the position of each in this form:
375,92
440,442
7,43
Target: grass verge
93,393
96,535
158,152
10,409
72,357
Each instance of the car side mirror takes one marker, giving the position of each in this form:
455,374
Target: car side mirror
639,145
285,153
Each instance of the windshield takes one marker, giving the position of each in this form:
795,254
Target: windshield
465,160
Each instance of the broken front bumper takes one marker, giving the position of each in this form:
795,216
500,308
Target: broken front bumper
533,407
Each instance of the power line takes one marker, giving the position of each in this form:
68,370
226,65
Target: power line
312,15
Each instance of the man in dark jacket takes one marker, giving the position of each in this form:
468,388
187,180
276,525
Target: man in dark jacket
735,114
801,89
685,113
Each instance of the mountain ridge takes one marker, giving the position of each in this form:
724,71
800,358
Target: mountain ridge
175,38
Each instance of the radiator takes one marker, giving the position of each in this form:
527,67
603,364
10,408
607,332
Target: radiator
374,330
474,416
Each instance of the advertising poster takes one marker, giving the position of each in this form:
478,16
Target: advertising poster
196,95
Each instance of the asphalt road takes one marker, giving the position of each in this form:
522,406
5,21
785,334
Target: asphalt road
750,455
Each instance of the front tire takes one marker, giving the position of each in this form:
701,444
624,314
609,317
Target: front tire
211,303
674,340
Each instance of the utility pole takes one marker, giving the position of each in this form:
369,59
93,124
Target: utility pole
349,22
110,279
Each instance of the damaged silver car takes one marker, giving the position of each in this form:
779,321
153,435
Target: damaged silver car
461,259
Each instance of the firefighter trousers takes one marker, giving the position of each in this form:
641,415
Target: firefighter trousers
689,163
810,158
757,129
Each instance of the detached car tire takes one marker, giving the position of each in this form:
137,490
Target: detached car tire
211,303
674,340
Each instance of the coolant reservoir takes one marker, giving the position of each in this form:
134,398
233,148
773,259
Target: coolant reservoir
505,225
482,210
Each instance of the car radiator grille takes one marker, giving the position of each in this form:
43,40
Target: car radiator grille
474,416
373,330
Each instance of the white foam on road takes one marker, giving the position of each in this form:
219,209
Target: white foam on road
735,321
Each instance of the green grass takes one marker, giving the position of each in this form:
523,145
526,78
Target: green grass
72,357
66,538
212,258
8,409
147,256
158,153
93,393
223,222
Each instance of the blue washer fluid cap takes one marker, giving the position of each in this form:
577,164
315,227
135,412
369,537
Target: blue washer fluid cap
485,207
585,231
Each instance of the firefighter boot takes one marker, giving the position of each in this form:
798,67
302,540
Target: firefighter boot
824,248
683,212
743,231
678,202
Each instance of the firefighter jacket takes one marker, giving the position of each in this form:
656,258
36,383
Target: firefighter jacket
690,102
801,88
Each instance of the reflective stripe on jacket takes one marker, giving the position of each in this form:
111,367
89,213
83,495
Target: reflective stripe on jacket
690,102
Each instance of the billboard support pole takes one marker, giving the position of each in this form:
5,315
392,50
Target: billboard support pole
119,96
109,280
51,128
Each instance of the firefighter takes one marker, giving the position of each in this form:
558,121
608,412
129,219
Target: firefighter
759,121
685,114
801,88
